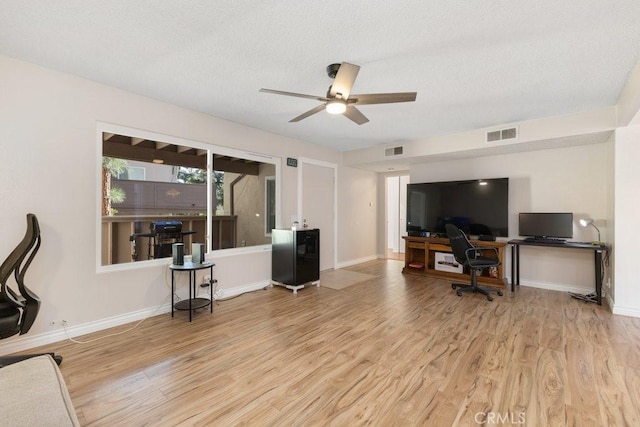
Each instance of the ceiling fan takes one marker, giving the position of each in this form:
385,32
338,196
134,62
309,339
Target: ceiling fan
339,99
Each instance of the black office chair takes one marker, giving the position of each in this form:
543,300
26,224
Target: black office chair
471,256
19,308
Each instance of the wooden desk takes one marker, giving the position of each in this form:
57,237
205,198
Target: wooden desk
598,250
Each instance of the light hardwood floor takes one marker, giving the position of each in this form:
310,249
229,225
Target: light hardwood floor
394,350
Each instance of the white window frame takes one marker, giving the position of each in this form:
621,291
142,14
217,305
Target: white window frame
102,127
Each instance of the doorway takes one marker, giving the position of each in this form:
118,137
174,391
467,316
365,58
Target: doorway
396,214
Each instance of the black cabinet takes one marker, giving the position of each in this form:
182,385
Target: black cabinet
295,257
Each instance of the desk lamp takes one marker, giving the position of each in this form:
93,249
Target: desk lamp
589,221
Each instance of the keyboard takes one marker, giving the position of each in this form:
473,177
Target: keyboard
544,240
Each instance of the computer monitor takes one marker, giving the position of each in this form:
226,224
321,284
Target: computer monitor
543,224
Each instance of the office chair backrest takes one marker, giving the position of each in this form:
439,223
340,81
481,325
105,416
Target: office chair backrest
459,243
17,263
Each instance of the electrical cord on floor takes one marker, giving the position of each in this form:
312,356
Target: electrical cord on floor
64,326
240,294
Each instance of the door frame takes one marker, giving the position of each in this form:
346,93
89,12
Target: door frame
401,232
306,160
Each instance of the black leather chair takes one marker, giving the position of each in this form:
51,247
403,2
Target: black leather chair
19,306
472,257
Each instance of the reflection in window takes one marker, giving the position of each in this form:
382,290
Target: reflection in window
270,204
133,172
155,194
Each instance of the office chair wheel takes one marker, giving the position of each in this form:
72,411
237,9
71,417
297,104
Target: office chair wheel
500,293
453,286
490,298
458,292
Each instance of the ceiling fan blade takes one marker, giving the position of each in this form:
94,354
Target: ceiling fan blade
383,98
344,80
308,113
355,115
297,95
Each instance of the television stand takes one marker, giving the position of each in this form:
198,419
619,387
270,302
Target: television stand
420,258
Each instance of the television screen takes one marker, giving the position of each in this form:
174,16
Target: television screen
477,207
545,224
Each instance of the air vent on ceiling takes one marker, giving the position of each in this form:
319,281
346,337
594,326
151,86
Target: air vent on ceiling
502,134
393,151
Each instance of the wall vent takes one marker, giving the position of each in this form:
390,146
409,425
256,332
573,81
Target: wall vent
393,151
502,134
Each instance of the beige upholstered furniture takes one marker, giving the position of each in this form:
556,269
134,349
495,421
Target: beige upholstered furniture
33,393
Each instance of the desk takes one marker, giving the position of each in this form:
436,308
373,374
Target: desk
192,303
598,250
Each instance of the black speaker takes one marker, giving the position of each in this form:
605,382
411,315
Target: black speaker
487,238
178,253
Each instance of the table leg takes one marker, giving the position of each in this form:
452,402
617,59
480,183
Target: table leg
518,265
173,290
190,297
211,289
513,267
598,261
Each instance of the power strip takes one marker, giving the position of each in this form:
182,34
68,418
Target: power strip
206,284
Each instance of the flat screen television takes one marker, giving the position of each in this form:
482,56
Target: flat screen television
479,207
545,225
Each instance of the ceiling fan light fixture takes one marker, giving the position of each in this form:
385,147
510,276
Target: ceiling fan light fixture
336,107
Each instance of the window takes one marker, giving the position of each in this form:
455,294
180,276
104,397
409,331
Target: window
156,192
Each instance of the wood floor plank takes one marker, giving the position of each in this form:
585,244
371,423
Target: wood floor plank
616,407
480,404
550,381
582,404
393,350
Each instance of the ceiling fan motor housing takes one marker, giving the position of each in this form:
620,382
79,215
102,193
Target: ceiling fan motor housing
332,70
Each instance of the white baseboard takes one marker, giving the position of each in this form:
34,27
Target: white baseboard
555,287
356,261
232,292
26,342
625,311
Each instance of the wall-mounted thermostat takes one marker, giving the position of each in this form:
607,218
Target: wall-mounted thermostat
292,162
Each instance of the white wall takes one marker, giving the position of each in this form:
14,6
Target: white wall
627,212
49,167
570,179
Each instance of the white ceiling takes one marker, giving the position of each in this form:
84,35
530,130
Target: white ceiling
473,64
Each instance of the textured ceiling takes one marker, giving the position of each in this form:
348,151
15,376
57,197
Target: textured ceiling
473,64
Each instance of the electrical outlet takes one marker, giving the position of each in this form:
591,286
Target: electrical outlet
62,323
608,285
